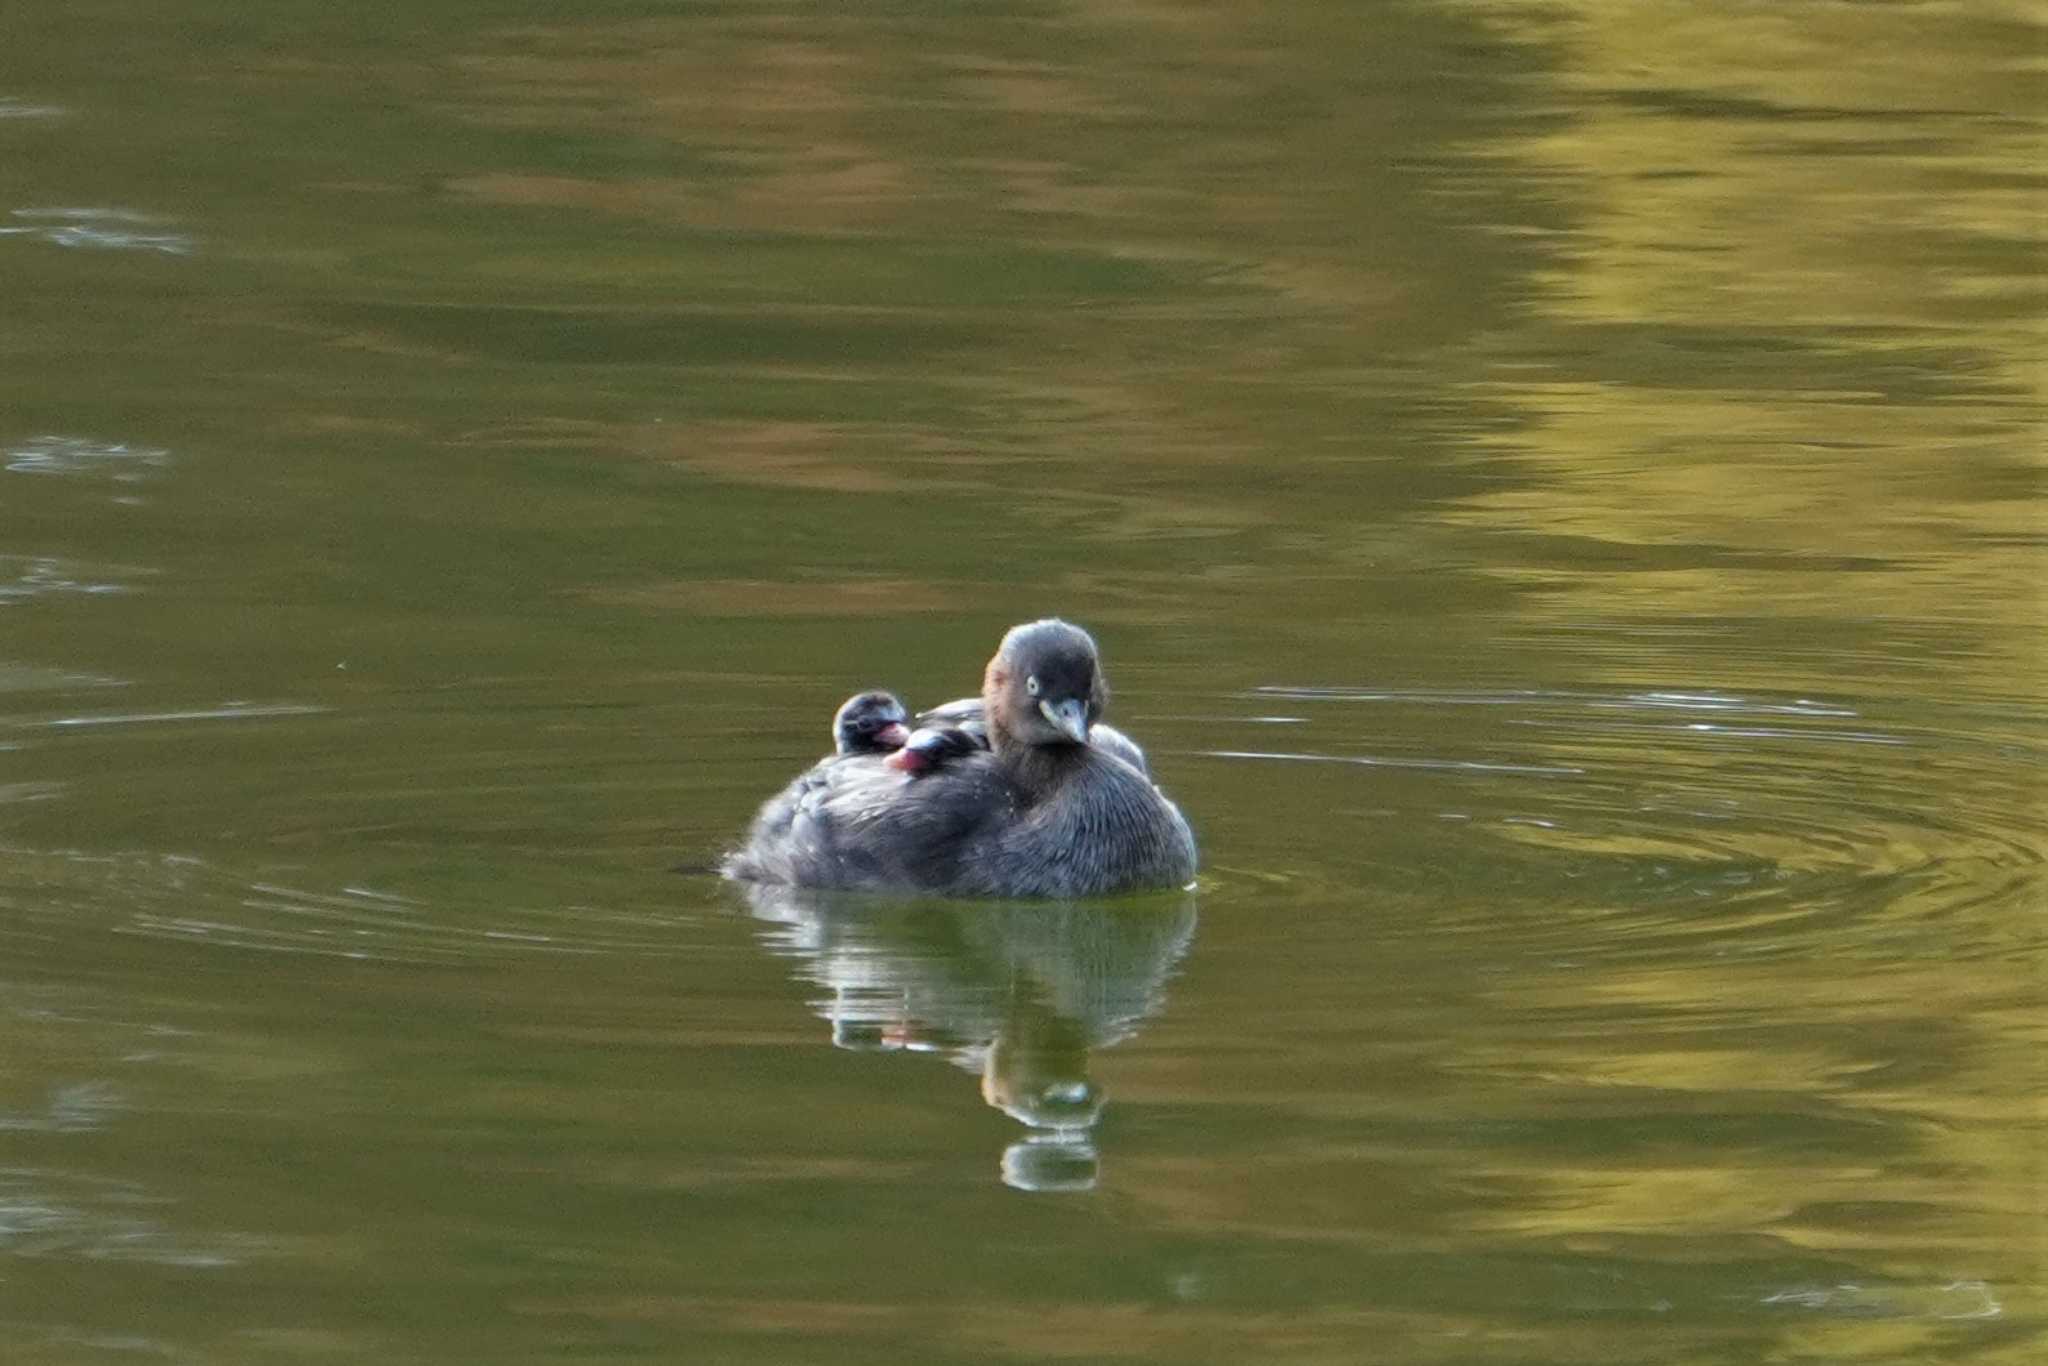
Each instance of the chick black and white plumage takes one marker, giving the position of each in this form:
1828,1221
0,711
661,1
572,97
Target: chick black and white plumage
870,723
928,747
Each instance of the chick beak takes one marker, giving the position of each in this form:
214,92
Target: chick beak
892,735
1070,715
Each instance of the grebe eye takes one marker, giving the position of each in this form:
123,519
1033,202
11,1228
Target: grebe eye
1031,685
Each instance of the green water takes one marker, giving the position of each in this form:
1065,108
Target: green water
1559,490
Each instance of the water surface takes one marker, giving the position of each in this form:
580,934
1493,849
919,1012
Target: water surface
1559,491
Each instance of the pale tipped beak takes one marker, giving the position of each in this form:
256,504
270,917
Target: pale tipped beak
1071,716
892,735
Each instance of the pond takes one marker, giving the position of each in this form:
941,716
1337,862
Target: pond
1559,491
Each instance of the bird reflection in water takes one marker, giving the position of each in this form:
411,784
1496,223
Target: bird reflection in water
1020,994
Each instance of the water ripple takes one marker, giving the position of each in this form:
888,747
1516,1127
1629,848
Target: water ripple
192,901
1700,810
57,454
70,1108
1955,1300
46,1213
98,229
18,677
227,711
33,576
1373,761
14,107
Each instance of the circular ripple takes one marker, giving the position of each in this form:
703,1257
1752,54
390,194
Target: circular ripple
1691,812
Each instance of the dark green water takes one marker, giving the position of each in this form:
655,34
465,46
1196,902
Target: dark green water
1559,489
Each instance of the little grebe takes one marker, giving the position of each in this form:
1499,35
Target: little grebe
1042,812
